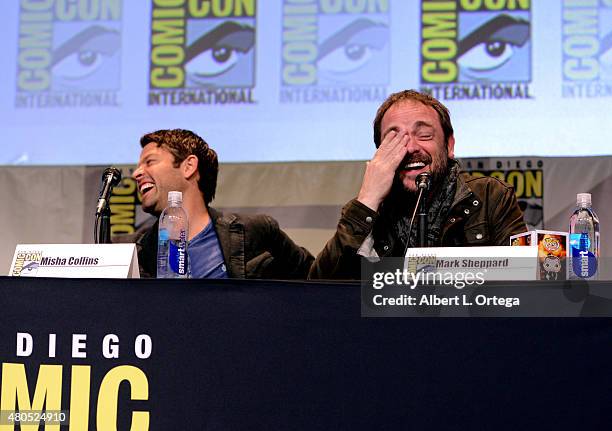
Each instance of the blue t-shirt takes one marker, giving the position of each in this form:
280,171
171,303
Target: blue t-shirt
205,256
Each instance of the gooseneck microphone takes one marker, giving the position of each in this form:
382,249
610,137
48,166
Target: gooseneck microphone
110,178
423,183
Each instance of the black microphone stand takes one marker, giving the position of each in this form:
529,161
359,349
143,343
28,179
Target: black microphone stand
104,236
422,218
423,183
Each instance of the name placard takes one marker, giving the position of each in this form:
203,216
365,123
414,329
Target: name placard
486,263
75,261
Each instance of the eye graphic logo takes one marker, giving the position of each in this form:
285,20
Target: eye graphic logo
496,50
30,269
87,58
476,49
334,51
587,49
202,53
69,55
26,264
353,54
221,55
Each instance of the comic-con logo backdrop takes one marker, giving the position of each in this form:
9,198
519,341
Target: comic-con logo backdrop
202,52
587,49
476,49
334,51
69,53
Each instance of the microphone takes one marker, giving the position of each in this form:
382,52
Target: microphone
110,178
423,181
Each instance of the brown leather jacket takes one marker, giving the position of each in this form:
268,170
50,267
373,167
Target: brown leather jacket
484,212
253,246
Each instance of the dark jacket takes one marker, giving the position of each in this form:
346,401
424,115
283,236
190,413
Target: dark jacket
253,246
484,212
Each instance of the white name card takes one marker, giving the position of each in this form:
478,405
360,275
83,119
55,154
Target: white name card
76,261
490,263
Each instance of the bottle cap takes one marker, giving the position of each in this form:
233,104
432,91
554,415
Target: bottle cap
175,197
583,200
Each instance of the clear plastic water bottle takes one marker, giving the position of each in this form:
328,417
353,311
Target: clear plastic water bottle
584,239
172,260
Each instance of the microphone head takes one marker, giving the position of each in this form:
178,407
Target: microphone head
113,173
423,181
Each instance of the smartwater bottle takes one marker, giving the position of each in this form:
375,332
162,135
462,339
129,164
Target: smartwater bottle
172,259
584,239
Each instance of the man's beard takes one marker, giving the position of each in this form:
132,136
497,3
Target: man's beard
439,168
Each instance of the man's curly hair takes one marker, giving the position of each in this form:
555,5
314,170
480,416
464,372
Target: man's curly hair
182,143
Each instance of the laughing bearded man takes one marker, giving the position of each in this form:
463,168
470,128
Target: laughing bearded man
413,134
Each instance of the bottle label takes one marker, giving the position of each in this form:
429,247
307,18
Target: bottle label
178,254
584,262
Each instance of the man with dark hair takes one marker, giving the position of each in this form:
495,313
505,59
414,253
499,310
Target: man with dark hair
182,144
220,246
413,135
